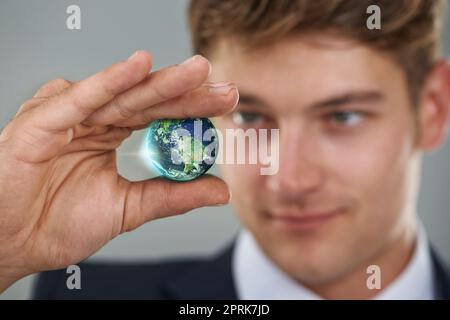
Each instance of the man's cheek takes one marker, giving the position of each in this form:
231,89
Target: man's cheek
373,176
242,178
358,176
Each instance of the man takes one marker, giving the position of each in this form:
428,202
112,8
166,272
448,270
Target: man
356,108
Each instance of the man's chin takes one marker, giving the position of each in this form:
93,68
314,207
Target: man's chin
310,263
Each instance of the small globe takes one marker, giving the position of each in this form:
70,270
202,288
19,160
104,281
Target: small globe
182,150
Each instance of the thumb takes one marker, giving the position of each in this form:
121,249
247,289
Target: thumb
157,198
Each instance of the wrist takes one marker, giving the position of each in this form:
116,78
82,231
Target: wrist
9,276
6,282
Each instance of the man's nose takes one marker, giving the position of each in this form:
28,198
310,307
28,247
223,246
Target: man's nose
299,171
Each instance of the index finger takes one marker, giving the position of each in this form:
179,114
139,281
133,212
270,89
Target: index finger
79,101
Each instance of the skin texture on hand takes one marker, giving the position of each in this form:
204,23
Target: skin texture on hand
61,197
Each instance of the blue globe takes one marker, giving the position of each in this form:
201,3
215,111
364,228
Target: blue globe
182,150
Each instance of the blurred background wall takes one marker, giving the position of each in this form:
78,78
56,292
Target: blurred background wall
36,47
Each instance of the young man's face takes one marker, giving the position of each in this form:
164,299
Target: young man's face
345,189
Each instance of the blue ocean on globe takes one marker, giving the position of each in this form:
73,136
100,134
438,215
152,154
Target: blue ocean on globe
181,149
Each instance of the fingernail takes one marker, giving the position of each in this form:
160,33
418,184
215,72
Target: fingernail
225,203
191,59
210,68
134,55
220,204
221,87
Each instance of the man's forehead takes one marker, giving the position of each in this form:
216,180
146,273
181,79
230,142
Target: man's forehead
307,68
298,57
298,45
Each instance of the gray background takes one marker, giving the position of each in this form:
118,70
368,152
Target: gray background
36,46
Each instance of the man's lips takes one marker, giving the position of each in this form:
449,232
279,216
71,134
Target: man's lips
303,219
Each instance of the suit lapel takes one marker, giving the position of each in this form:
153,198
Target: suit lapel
441,277
212,279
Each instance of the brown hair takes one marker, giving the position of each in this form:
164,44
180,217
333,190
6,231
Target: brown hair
409,28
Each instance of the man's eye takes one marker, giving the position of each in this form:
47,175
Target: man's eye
247,118
347,118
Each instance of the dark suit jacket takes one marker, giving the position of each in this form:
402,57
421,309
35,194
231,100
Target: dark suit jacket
205,278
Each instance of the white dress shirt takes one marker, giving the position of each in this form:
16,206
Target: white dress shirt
257,277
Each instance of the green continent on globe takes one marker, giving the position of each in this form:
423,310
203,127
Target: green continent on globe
182,150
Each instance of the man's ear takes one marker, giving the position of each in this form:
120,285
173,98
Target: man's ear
434,107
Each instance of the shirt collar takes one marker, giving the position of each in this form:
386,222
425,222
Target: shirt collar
257,277
416,280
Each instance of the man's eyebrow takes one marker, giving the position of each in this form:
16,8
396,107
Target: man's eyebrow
250,99
348,98
368,96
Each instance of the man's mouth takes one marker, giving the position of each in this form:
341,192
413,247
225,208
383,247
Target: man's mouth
303,220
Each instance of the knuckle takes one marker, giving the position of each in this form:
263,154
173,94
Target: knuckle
81,105
166,198
61,82
30,104
52,87
160,93
112,82
78,102
146,117
121,107
187,112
